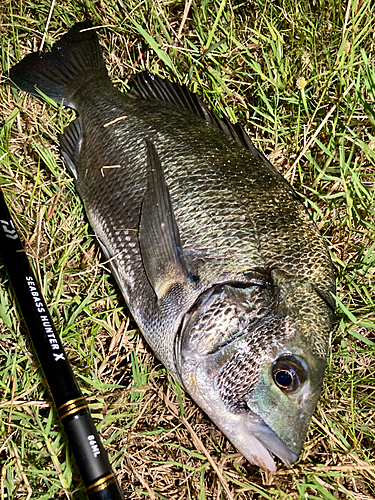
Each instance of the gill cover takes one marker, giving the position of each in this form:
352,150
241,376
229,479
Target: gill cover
244,360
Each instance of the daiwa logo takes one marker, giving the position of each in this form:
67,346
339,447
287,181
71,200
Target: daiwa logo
9,229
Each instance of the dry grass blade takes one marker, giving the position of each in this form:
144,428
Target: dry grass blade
316,133
184,17
286,72
200,446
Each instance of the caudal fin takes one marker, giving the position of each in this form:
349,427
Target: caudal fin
61,72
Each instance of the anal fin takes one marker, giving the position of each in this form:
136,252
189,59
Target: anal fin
70,144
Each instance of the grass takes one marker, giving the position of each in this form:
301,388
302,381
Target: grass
301,77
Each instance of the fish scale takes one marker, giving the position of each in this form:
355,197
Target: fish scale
222,235
217,258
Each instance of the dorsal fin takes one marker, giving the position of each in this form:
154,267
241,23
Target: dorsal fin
151,87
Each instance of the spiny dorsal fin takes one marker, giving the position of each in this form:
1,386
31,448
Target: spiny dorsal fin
159,237
152,87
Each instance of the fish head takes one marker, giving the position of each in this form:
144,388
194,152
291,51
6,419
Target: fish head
253,359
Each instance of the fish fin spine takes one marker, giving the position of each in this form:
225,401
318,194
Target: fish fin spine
152,87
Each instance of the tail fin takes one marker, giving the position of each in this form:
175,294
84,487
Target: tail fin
61,72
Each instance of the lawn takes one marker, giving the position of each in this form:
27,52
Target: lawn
300,76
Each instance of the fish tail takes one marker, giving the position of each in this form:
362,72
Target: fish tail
59,74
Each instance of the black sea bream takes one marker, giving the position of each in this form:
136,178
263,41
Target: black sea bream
218,260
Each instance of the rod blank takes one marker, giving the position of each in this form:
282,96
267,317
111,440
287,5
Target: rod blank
90,455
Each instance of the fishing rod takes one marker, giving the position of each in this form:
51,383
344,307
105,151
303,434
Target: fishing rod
91,457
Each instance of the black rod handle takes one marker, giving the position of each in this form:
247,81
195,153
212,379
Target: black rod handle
90,455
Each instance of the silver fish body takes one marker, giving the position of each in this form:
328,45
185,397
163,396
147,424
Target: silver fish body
218,260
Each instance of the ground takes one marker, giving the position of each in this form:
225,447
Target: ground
300,76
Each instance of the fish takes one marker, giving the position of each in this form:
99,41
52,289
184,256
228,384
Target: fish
217,257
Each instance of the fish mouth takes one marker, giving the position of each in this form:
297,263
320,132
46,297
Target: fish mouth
260,441
249,434
245,430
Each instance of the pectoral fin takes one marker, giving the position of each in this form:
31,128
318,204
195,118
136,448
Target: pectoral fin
159,237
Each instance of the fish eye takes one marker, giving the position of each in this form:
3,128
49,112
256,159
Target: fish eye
289,373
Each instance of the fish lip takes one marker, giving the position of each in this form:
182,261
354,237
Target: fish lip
245,430
269,439
255,440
